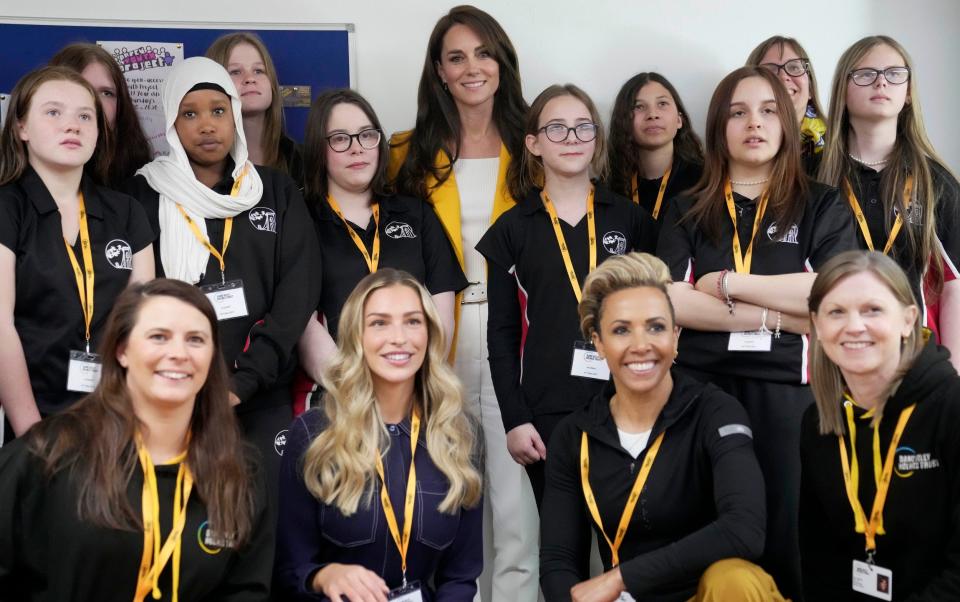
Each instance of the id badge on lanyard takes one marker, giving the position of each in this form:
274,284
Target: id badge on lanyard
588,363
872,580
410,592
750,340
625,597
83,371
227,299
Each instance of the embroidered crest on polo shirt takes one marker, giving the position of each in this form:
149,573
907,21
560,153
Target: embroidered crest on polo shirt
264,219
909,461
399,230
790,237
119,254
614,242
280,442
914,214
211,541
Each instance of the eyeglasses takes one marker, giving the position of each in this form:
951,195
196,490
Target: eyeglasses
557,132
866,76
341,141
793,67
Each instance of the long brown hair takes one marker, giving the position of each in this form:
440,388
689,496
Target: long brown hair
126,131
438,120
788,184
531,174
94,439
826,380
912,154
756,55
623,154
273,124
13,151
315,144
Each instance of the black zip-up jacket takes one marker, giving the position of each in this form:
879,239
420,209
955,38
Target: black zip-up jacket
703,500
921,516
274,250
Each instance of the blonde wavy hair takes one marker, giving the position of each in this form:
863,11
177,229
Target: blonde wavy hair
618,273
339,467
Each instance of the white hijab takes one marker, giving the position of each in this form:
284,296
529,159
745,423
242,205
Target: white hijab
183,257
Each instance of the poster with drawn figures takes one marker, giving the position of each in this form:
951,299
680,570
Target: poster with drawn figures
4,101
145,66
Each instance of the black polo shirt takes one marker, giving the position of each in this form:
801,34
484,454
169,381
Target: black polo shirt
683,176
47,311
825,229
411,239
273,249
533,324
866,186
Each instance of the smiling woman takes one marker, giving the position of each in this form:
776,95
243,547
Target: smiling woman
156,438
874,369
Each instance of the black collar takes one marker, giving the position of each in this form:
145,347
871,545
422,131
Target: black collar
532,203
43,201
389,207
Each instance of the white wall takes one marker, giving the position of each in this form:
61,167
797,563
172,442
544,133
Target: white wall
597,44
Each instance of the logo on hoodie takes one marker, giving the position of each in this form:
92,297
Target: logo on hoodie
264,219
909,461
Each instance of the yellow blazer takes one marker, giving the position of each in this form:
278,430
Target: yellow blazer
446,201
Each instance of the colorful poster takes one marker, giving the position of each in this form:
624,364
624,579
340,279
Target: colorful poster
145,65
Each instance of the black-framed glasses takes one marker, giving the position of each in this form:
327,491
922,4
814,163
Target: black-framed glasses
342,141
557,132
793,67
866,76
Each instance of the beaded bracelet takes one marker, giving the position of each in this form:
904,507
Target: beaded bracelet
776,333
725,291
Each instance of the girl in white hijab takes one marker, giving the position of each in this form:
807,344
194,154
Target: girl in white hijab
242,234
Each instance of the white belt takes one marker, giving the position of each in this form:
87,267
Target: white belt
476,292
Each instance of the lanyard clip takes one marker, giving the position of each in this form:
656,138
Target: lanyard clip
404,579
88,345
870,555
223,277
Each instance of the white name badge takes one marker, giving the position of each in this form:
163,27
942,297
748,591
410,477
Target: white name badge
751,340
228,299
83,371
872,580
409,593
588,363
625,597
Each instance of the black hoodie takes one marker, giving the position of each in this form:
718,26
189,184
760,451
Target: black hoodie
703,500
922,512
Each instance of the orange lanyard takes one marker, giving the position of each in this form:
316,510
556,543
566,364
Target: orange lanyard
591,238
631,500
862,221
882,475
663,189
402,541
84,276
155,557
373,261
742,262
227,230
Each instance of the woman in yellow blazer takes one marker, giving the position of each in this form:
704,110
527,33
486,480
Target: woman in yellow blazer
470,113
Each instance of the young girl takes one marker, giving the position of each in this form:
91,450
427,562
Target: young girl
247,60
786,58
68,247
654,153
539,253
241,233
470,111
740,250
360,225
155,439
886,168
127,143
379,491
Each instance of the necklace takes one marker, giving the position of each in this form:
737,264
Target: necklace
869,163
750,183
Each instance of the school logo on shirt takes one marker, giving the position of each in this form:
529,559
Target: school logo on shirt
280,442
264,219
909,461
914,214
399,230
211,541
614,242
790,237
119,254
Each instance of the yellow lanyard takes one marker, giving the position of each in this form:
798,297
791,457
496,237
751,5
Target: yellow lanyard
402,541
742,262
373,261
84,276
155,557
862,221
591,239
631,500
882,475
663,189
227,229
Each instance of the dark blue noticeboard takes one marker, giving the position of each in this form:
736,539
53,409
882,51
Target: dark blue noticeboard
319,58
